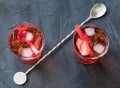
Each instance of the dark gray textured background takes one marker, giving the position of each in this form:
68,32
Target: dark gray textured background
60,70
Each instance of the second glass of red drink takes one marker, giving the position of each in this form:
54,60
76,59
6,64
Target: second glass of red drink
27,41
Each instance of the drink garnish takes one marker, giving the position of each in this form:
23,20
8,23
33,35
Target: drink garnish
83,43
38,42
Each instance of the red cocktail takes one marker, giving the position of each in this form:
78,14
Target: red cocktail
27,41
90,43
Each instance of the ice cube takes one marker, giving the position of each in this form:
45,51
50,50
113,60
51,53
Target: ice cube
26,52
29,36
90,31
99,48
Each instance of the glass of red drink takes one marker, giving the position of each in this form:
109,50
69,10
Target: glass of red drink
90,44
26,41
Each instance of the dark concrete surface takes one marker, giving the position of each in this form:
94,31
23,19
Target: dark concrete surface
60,70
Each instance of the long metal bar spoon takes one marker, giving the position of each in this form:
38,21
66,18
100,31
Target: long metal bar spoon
98,10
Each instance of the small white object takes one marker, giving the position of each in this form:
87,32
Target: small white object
26,52
29,36
90,31
20,78
99,48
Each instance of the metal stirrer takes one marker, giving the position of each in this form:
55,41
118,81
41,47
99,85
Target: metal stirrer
97,11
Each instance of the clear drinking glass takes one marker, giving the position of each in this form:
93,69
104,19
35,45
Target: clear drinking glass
27,41
96,47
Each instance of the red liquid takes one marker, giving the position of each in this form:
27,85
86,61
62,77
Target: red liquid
96,46
27,42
